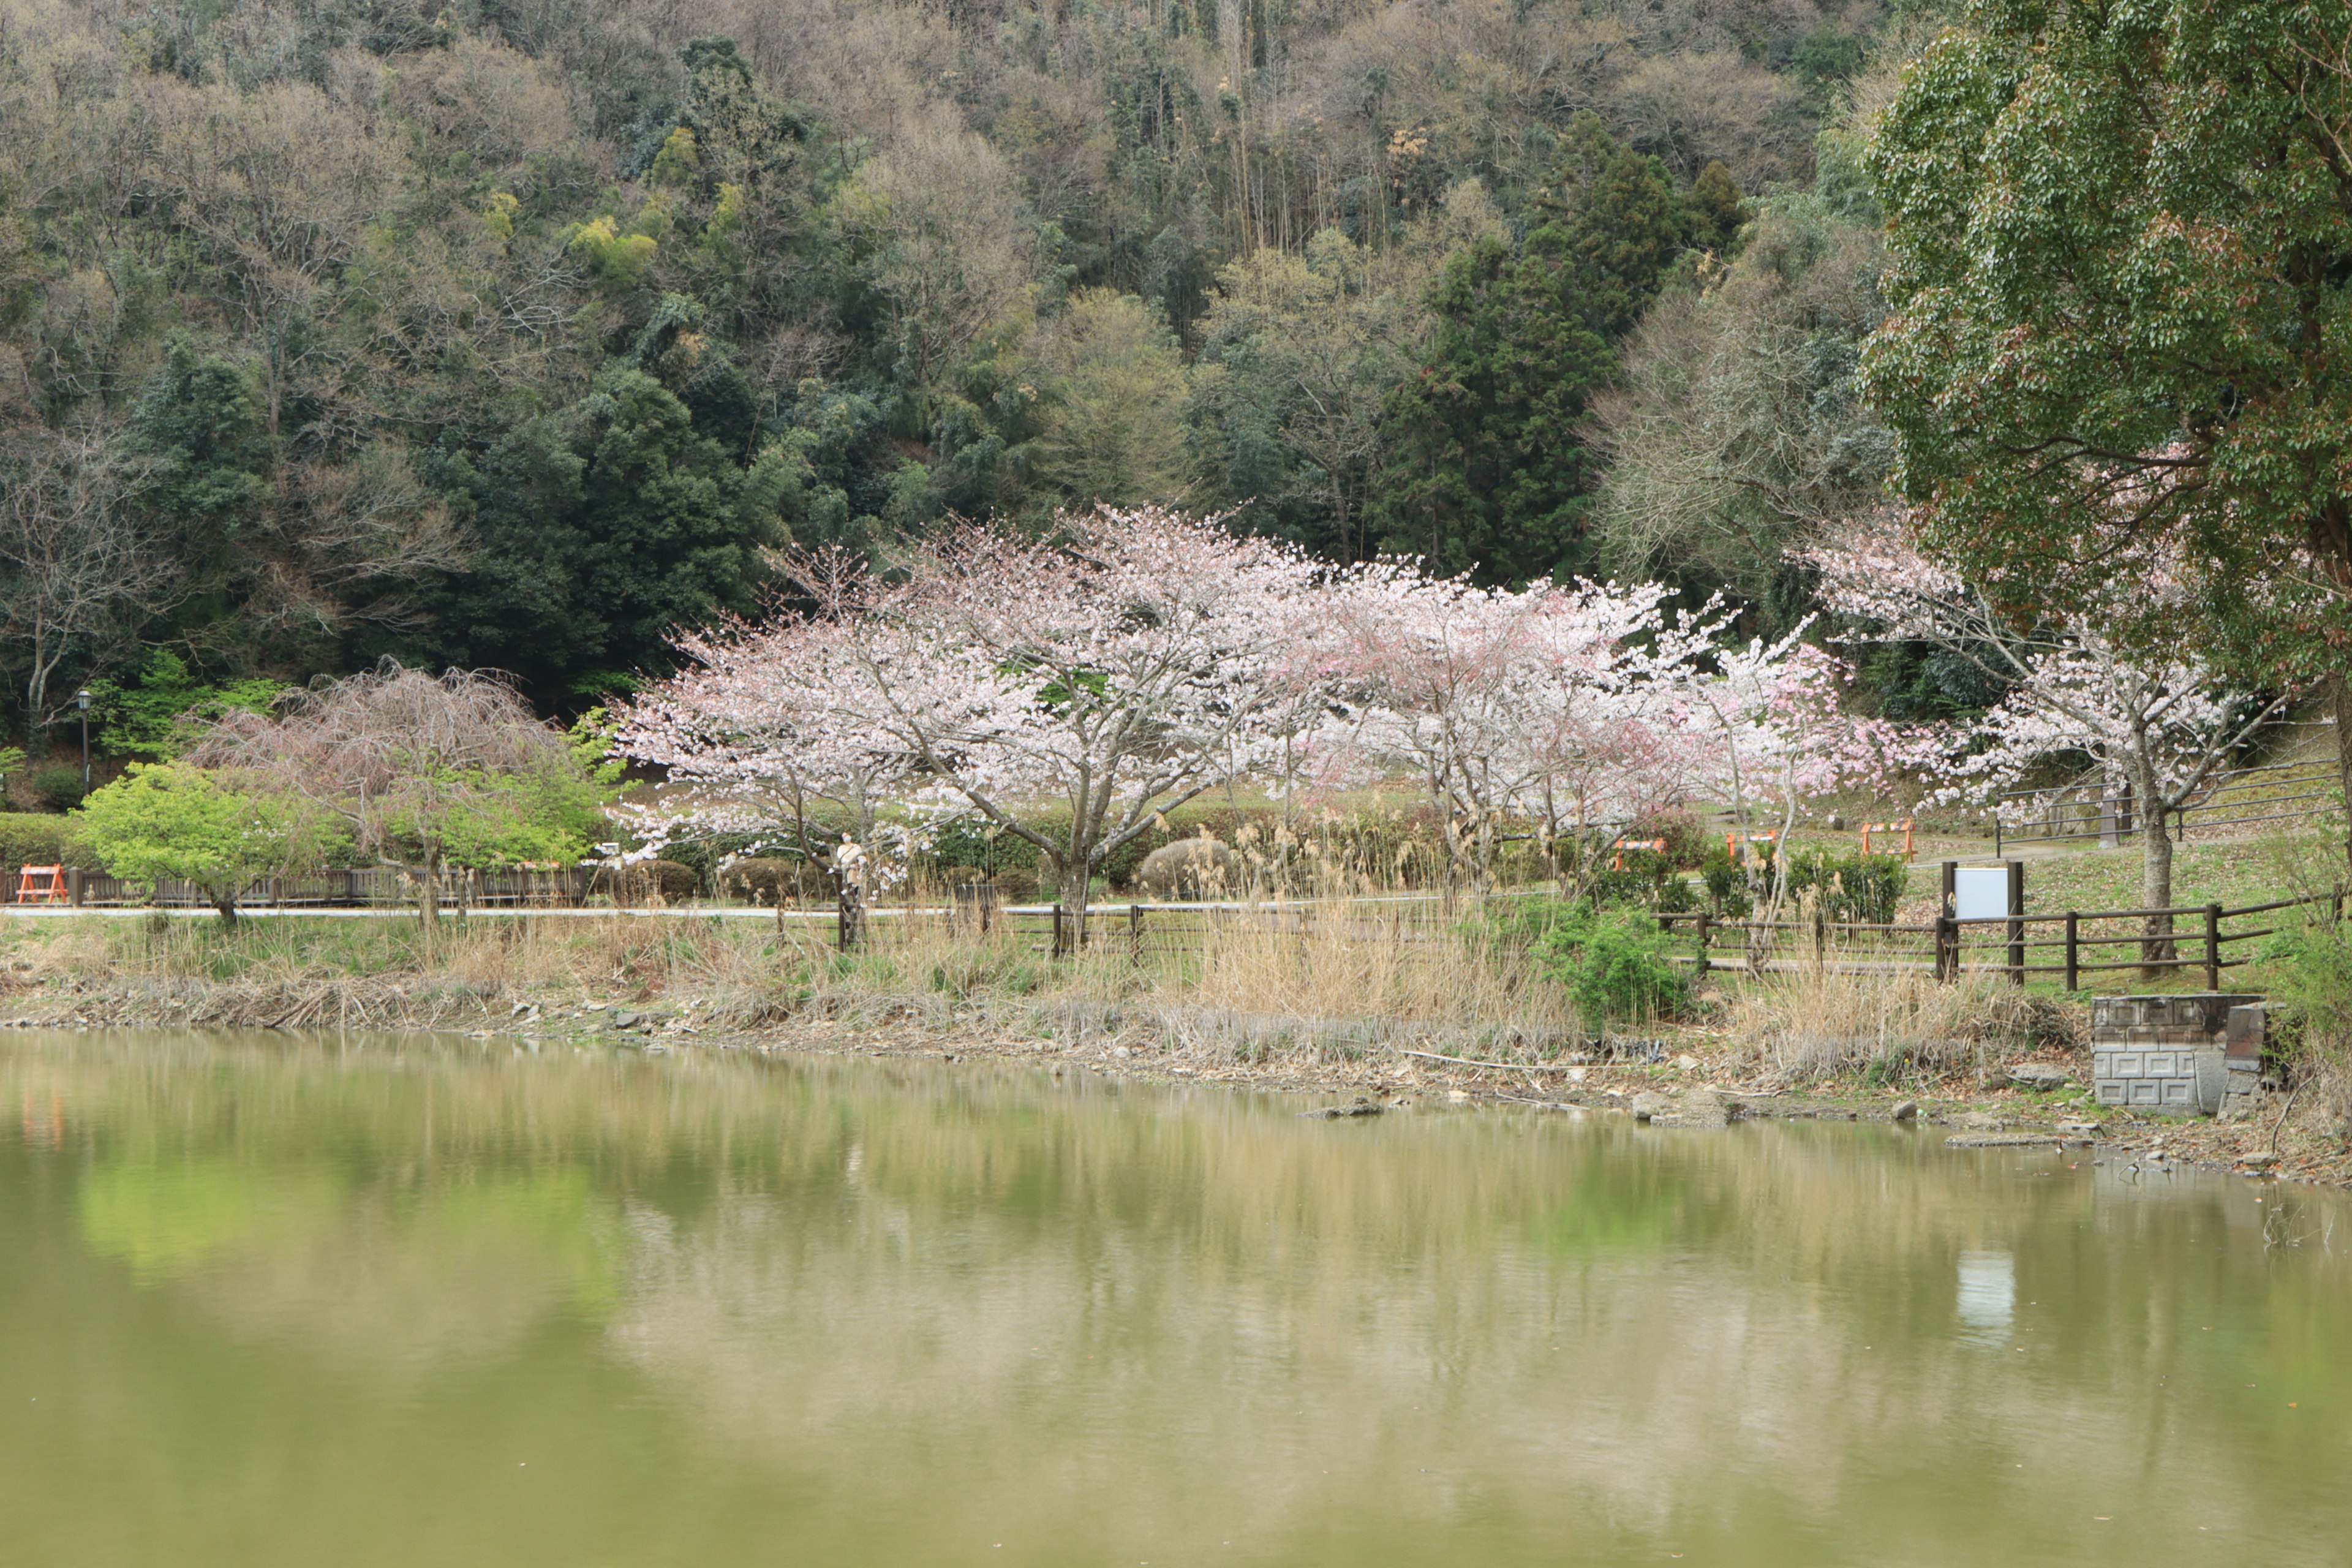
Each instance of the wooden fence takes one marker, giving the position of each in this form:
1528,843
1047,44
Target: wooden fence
2074,946
2071,946
568,887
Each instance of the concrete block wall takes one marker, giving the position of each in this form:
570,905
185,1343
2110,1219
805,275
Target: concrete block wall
2164,1054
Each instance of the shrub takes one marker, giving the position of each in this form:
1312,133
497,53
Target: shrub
1866,889
766,880
1640,878
1613,962
40,838
1686,840
60,784
169,820
1727,885
633,882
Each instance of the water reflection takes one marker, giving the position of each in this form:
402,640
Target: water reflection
1987,1298
606,1310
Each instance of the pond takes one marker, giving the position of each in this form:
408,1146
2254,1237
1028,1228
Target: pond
376,1300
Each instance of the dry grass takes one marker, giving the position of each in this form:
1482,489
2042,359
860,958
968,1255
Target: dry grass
1354,979
1819,1023
1251,983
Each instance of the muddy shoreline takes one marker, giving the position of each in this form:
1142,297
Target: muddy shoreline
1700,1078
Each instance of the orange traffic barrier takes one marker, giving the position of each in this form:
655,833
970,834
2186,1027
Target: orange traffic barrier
1617,861
1870,827
41,885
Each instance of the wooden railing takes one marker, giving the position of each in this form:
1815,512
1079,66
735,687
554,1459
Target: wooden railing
2070,945
374,887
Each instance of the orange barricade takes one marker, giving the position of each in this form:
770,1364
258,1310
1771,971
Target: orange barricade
41,885
1870,827
1617,861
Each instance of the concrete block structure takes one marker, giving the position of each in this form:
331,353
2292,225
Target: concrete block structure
2169,1055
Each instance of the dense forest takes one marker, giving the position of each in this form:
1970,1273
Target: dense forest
510,334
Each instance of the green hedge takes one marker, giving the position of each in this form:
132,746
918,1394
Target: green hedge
40,839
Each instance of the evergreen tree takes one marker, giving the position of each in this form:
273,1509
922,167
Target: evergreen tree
1485,472
601,527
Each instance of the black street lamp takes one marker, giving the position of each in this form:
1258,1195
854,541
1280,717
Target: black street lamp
81,700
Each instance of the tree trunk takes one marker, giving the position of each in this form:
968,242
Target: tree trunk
2344,753
2156,948
225,902
1075,879
428,893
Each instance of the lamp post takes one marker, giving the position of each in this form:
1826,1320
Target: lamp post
81,700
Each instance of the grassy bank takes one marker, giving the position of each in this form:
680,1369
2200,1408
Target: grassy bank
1343,1007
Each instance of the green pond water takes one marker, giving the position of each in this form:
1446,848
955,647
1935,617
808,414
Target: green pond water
372,1300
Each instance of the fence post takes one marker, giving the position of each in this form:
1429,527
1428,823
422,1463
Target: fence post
1948,948
850,918
1820,935
2017,922
2212,947
1134,932
1058,931
73,886
1702,922
2074,935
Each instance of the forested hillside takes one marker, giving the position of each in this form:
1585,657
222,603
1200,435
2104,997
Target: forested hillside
509,332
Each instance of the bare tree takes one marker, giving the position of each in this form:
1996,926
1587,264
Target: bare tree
79,562
426,771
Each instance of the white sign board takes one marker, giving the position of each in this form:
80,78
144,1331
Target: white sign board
1980,892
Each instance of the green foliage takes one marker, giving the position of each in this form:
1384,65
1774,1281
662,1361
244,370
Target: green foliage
1486,470
1641,878
201,420
40,839
2308,973
1115,391
1852,887
604,527
1727,893
2117,235
1481,479
1687,838
504,819
149,718
1613,963
173,821
60,784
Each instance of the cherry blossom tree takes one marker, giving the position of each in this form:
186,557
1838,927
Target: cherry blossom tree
747,753
1768,730
1547,706
2161,725
1113,671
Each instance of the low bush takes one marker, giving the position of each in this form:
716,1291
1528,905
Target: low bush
1686,840
633,882
766,880
1642,878
1728,897
40,839
1613,962
1854,886
59,783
